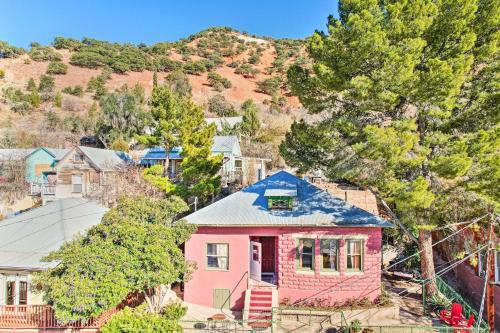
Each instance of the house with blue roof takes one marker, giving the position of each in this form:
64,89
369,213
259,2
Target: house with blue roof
234,164
283,239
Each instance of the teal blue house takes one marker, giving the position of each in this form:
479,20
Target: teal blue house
42,160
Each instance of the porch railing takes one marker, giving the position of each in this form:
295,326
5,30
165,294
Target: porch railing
36,316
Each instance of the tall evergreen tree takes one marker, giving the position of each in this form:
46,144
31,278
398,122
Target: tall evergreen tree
388,77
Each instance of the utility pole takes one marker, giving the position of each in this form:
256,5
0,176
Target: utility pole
490,291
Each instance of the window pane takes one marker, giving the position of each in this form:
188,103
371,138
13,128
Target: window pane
212,249
354,247
307,261
307,246
11,290
329,252
23,293
217,255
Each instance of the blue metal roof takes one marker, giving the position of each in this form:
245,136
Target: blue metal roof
314,207
158,153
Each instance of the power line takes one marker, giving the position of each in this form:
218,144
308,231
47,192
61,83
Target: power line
436,243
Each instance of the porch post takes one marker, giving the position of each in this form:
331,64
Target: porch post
16,292
2,289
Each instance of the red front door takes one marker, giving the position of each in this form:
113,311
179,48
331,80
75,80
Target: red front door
267,254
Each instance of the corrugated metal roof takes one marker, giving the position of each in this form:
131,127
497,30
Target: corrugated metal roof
28,237
277,188
225,144
220,121
313,207
15,153
104,159
58,153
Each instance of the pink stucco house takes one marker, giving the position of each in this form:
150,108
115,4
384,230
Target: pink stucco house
282,238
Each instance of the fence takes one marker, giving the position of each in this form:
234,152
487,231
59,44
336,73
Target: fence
453,296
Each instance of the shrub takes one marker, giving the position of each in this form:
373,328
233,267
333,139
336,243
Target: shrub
247,70
67,43
2,73
9,51
75,91
138,320
165,64
120,145
194,67
58,99
44,53
436,303
269,86
87,58
21,107
57,68
220,106
47,84
31,85
97,85
234,64
179,82
215,79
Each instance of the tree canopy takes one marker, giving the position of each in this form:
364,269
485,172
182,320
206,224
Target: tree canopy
136,247
391,79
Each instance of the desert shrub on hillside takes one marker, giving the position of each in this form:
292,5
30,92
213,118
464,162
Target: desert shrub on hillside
165,64
35,99
220,106
88,59
2,73
21,107
234,64
44,53
31,85
58,99
218,82
247,70
46,84
270,86
75,91
97,85
67,43
178,81
52,121
9,51
57,68
194,67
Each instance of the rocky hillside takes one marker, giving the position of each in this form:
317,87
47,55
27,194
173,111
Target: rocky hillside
217,61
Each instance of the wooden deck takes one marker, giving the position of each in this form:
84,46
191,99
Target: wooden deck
36,318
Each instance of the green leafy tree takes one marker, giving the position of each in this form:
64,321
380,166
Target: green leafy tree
96,271
200,169
155,176
390,74
120,145
250,125
139,320
122,116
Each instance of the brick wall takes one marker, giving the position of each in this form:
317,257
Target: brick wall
330,287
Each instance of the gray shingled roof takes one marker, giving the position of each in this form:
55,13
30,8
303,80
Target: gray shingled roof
26,238
104,159
313,207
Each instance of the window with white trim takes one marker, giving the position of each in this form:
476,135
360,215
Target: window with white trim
354,255
329,250
305,254
218,256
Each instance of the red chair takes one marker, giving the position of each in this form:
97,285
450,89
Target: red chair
465,324
454,316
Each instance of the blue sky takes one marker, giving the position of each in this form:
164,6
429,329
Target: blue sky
24,21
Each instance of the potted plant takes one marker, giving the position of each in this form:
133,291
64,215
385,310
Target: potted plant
355,326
